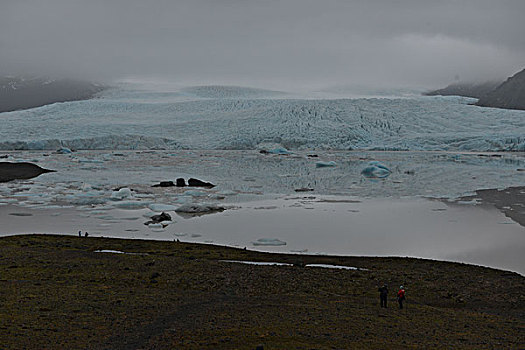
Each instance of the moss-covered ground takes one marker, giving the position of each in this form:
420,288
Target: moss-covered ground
56,292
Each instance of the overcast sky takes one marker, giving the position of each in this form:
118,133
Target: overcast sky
260,42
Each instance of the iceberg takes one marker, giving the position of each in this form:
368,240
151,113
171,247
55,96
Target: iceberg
322,164
376,169
121,194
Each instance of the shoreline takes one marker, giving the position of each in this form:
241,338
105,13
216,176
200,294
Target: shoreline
175,294
433,229
291,257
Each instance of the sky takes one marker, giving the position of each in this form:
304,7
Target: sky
265,42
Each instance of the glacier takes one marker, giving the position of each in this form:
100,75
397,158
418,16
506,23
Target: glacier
129,117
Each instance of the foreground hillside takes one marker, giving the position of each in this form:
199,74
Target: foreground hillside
58,293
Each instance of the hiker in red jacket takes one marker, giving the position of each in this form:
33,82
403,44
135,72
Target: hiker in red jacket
401,296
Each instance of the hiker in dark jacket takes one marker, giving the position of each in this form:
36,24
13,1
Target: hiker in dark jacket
401,296
383,295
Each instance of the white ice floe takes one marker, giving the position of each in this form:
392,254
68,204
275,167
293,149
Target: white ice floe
227,193
160,207
322,164
268,242
131,205
121,194
194,193
151,214
199,208
85,198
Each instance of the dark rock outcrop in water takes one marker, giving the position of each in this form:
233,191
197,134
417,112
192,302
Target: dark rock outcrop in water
164,184
19,93
155,219
20,171
475,90
510,94
198,183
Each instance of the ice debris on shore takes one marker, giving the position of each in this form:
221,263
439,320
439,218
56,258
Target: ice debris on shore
273,263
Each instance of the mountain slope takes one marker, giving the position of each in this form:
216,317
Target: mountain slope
475,90
510,94
19,93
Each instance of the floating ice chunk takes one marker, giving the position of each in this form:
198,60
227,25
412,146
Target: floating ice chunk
268,242
143,195
86,187
322,164
131,205
376,169
151,214
161,207
199,208
121,194
227,193
472,202
86,160
97,212
106,217
87,198
63,150
159,225
194,193
299,250
279,150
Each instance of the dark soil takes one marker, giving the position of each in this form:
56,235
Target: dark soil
58,293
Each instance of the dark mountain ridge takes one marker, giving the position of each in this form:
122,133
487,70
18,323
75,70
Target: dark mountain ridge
20,93
475,90
509,94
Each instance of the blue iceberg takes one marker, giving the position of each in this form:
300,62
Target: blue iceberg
376,170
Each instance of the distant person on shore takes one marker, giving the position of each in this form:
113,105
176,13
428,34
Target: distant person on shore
383,295
401,296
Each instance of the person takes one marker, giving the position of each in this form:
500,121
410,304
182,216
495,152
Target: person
401,296
383,295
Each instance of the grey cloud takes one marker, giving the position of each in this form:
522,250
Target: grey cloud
421,42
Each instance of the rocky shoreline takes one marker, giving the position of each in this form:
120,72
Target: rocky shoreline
72,292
